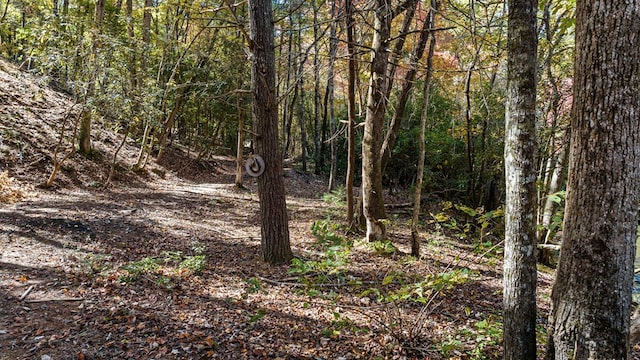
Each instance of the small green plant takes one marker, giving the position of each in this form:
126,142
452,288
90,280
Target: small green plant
195,264
450,345
164,282
253,286
466,222
94,264
332,262
257,316
383,248
325,232
342,323
136,269
335,197
558,217
487,333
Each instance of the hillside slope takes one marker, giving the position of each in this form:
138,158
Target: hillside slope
34,118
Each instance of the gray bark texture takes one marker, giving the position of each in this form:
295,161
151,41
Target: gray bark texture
591,298
372,196
276,248
520,272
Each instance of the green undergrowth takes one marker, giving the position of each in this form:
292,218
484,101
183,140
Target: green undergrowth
166,269
407,299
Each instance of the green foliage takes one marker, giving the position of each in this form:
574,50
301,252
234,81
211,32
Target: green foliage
397,287
332,262
558,217
341,323
479,342
330,266
326,235
163,271
465,222
136,269
195,263
253,286
257,316
383,248
336,197
94,264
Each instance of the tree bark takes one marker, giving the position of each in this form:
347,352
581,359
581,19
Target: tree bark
320,127
372,196
415,236
240,148
591,298
351,111
407,86
275,244
520,272
329,94
84,133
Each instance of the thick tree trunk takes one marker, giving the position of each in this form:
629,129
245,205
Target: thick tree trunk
591,299
372,196
520,272
276,248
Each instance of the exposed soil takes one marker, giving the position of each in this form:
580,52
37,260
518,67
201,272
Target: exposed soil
95,272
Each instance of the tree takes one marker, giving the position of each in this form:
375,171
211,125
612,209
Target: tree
591,297
84,135
415,236
351,109
520,272
276,248
372,197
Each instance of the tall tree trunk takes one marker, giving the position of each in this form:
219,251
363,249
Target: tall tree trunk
84,134
351,111
145,124
329,94
319,127
303,127
557,177
417,195
520,272
276,248
396,53
240,149
372,196
133,66
407,86
289,97
591,298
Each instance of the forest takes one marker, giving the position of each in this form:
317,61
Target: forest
320,179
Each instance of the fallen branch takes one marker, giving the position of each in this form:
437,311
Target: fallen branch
56,299
24,294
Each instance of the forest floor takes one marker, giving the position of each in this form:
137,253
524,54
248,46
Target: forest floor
164,263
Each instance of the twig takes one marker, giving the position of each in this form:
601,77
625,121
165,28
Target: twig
57,299
24,295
